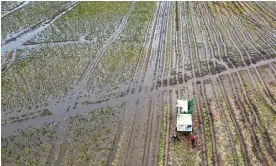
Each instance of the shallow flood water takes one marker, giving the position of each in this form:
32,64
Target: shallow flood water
96,83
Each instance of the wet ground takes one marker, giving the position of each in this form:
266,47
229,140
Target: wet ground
86,84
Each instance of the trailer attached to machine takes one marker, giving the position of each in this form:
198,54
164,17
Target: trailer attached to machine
184,109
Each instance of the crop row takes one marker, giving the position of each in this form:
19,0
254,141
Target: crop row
236,121
29,15
80,139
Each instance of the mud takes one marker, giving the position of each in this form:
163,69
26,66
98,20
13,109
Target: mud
9,11
222,54
24,36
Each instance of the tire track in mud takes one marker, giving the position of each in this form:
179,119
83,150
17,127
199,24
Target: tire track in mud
197,58
164,70
140,125
157,37
172,45
172,102
145,46
189,40
159,57
199,37
254,138
211,124
237,129
18,7
231,39
148,145
123,144
258,48
215,30
204,34
248,101
25,35
95,61
152,140
255,24
230,135
222,39
266,6
161,49
263,53
182,41
241,113
180,51
166,153
229,71
238,49
170,98
268,76
176,42
228,24
149,47
264,32
160,126
157,129
151,70
264,87
64,143
261,15
273,69
119,98
264,62
171,40
201,126
52,151
263,130
165,45
30,45
119,131
249,22
260,18
116,140
128,137
247,41
211,39
273,65
254,84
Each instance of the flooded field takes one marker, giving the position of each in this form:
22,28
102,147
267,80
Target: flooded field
96,83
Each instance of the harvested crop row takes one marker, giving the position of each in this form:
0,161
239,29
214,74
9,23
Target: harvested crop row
181,152
263,109
251,114
129,65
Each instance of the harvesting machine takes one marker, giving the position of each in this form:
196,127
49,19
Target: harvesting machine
184,110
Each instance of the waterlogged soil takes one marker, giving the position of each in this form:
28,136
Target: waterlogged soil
96,83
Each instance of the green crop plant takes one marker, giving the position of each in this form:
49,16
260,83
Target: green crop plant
162,135
168,49
120,60
80,19
206,131
231,126
9,5
31,14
